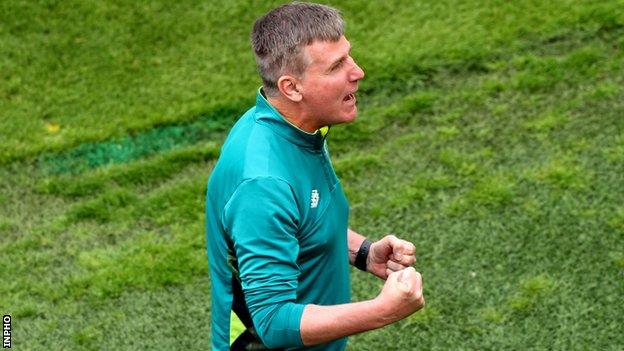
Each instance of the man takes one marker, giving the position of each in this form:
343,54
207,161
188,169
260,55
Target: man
276,215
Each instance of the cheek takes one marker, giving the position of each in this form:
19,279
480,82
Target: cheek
327,95
323,96
331,91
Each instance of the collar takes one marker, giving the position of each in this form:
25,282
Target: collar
267,114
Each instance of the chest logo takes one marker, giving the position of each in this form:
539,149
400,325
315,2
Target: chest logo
314,199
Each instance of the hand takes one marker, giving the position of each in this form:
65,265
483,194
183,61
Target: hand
390,254
401,295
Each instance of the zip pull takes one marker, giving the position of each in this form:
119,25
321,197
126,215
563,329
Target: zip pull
325,131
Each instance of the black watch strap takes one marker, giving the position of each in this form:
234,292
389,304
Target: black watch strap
362,255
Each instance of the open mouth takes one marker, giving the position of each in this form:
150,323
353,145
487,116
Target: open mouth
349,98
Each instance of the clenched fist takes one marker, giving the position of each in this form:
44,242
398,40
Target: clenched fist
401,295
390,254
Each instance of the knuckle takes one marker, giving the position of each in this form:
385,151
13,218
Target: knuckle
421,302
406,294
418,295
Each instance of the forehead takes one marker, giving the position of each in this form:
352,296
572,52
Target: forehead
326,52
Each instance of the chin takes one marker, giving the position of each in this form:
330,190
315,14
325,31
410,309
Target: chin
351,117
344,119
348,117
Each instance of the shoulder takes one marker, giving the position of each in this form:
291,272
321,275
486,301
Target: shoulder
254,150
260,197
270,186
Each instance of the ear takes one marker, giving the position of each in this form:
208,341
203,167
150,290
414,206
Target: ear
287,86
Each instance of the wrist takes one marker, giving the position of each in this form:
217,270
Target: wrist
383,316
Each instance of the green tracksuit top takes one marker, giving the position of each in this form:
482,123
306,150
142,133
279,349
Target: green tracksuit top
276,225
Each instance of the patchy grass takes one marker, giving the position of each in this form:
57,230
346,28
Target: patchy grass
104,207
529,293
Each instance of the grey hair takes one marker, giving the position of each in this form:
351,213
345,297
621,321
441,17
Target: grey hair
278,38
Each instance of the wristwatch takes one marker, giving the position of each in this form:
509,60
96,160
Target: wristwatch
362,255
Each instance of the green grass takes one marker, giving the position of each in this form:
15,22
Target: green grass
490,134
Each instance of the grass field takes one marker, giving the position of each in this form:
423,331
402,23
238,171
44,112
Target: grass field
490,133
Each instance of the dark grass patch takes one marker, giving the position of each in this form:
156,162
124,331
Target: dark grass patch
144,172
206,127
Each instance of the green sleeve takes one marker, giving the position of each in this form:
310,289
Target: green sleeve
262,218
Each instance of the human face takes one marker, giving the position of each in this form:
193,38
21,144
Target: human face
329,83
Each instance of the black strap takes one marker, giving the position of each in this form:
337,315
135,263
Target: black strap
362,255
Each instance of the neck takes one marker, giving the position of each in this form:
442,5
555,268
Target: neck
293,113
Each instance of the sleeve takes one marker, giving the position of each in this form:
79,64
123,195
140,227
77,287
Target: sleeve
262,219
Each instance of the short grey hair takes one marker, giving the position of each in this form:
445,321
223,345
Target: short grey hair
278,38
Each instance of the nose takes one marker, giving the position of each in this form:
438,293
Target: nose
357,73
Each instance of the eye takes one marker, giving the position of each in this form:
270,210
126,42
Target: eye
338,65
